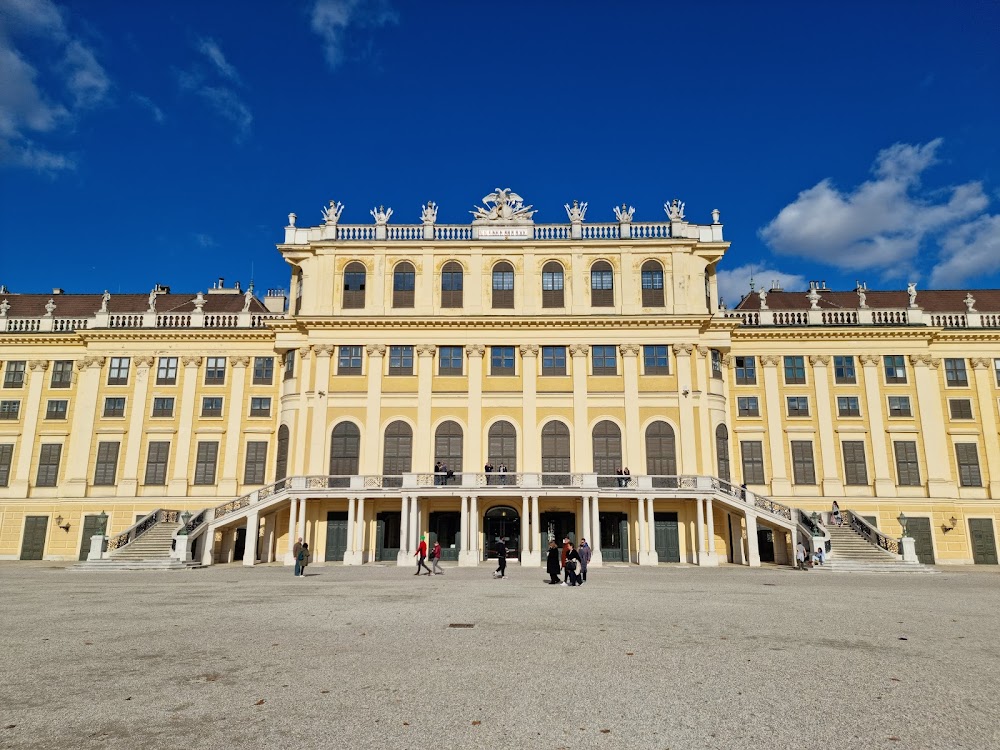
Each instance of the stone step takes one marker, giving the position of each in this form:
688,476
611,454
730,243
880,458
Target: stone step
118,565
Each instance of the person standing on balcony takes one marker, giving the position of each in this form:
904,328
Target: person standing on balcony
503,473
437,473
489,472
626,476
585,553
435,557
421,555
552,563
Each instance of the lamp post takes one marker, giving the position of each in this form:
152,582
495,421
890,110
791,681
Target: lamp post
814,518
902,522
185,517
102,523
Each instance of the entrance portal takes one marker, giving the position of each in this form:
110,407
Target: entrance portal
614,537
502,522
445,527
667,537
387,536
336,535
556,527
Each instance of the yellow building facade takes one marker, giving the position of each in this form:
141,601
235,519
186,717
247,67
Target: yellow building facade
499,379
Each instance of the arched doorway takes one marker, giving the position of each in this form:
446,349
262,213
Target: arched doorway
448,440
397,453
502,521
502,449
607,453
345,451
555,455
661,454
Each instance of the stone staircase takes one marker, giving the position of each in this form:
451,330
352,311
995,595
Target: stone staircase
151,551
852,553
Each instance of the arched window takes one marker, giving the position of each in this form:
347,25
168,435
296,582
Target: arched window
552,285
345,451
652,284
448,445
452,280
298,291
281,463
602,285
404,279
607,452
722,451
354,286
661,454
503,286
502,446
397,453
555,454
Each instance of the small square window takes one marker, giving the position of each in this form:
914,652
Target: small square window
798,406
899,406
56,409
166,371
955,373
960,408
13,375
747,406
605,360
260,406
114,407
400,360
215,371
795,370
118,372
501,360
656,360
211,406
10,410
843,371
746,371
553,360
450,359
349,360
62,374
848,406
163,406
895,369
263,370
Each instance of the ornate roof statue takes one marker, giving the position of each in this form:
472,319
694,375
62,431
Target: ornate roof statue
763,298
105,299
4,307
248,298
911,290
199,302
813,298
675,210
331,215
970,302
429,212
152,301
506,206
623,214
50,307
381,215
577,212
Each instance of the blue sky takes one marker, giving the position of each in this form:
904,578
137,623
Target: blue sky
166,142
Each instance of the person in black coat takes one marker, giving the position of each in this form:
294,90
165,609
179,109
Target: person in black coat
573,565
552,564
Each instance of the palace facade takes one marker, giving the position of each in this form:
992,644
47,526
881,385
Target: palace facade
502,378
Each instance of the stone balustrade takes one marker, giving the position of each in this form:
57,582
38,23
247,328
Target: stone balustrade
194,319
864,317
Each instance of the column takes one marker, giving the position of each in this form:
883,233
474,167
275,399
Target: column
252,537
537,530
529,546
301,532
373,410
228,474
414,522
298,451
831,482
932,427
653,557
465,552
529,411
630,368
713,558
700,553
885,485
641,540
129,482
585,509
362,525
178,485
753,553
403,556
351,531
705,436
780,484
31,407
293,505
318,405
81,433
474,439
583,456
687,461
982,371
474,528
268,545
597,558
424,444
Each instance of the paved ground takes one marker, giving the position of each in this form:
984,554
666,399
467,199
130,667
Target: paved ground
354,658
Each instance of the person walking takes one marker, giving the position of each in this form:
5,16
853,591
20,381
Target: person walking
301,560
800,556
435,557
421,555
585,553
572,565
562,560
552,564
837,518
501,571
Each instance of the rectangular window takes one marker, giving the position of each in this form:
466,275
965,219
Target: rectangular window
553,360
552,286
843,371
907,468
855,466
204,468
13,375
263,370
256,462
803,469
48,465
211,406
6,459
501,360
56,409
10,410
752,453
157,456
955,374
895,368
798,406
62,374
450,360
795,370
349,360
114,407
968,465
747,406
289,360
166,371
163,406
746,371
107,464
503,286
354,288
655,360
215,371
605,360
960,408
716,356
899,406
848,406
996,371
260,406
400,360
602,288
118,372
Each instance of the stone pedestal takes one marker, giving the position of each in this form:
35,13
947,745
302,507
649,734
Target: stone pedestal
909,549
182,548
532,559
98,546
354,558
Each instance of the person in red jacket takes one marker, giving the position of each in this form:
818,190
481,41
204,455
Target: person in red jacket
435,558
562,559
421,555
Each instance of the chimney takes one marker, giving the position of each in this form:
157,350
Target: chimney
57,290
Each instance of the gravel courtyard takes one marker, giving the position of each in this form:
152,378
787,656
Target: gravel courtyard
352,658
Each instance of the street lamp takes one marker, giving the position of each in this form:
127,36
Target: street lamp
814,518
902,522
102,523
185,517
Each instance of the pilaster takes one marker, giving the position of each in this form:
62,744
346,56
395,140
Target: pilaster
424,443
298,452
228,478
780,484
831,481
474,438
583,457
128,483
630,366
82,431
31,408
178,485
371,462
705,437
318,406
937,450
687,459
529,409
982,370
885,485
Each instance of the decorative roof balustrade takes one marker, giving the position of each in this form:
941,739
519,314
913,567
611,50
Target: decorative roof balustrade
47,324
862,317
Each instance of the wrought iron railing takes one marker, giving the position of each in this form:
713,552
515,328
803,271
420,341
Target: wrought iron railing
194,523
814,528
873,535
140,527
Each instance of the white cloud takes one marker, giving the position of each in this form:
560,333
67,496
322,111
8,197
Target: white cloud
735,282
970,251
331,19
210,49
881,224
148,104
48,78
218,95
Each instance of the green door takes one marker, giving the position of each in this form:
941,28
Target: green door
920,530
387,535
336,535
91,527
556,526
33,546
446,527
984,544
666,537
614,537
